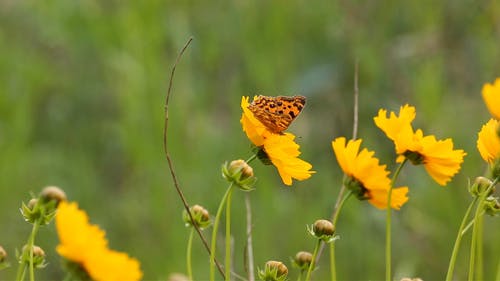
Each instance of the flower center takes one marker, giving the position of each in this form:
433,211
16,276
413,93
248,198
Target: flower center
414,157
357,188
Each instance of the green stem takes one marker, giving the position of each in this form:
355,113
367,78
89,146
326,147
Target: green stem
388,224
313,260
27,261
333,268
458,240
20,271
251,158
498,271
228,235
214,232
475,229
188,255
31,245
479,265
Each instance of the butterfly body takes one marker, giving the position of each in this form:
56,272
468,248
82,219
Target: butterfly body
277,113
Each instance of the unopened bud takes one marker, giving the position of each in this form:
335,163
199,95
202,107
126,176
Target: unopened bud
3,254
323,227
240,173
38,256
481,184
53,193
177,277
303,260
274,271
492,206
324,230
410,279
200,216
32,203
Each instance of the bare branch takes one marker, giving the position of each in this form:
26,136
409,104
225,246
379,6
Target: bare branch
169,160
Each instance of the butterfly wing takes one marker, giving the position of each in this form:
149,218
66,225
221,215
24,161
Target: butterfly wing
277,113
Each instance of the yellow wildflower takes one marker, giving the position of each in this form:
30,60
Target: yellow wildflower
491,96
86,245
281,149
488,142
438,157
365,176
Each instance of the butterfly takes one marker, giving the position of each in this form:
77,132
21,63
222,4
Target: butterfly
277,113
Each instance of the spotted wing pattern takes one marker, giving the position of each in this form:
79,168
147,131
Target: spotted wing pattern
277,113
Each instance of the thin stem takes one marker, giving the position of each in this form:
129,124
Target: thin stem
188,255
250,262
31,243
498,271
475,229
214,232
388,224
354,136
228,235
479,264
169,160
21,271
251,158
458,240
300,275
333,268
313,260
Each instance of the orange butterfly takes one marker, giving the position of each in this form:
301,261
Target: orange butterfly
277,113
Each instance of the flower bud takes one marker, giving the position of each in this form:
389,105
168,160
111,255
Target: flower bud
492,206
410,279
240,173
200,216
3,258
323,227
32,203
324,230
481,184
3,254
177,277
38,256
273,271
302,260
53,193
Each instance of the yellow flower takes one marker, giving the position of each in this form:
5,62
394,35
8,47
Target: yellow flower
366,177
86,245
438,157
491,96
488,142
281,149
109,265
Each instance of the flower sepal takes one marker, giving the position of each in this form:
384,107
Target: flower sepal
239,173
37,210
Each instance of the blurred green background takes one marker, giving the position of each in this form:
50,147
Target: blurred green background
82,88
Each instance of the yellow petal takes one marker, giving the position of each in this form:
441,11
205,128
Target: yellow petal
491,96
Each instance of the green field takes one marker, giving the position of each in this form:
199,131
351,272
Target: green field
82,91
